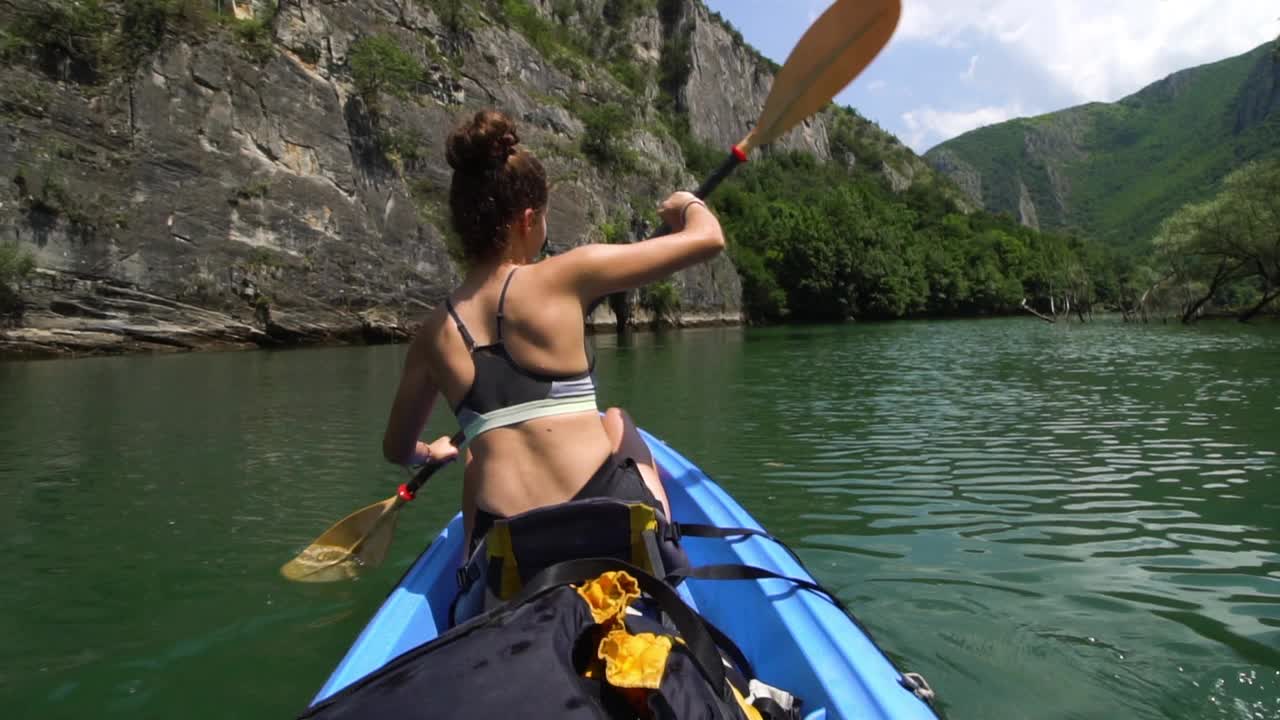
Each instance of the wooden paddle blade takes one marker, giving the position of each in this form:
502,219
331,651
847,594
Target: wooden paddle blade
839,45
377,543
360,540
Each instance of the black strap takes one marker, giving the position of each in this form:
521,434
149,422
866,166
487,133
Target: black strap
462,327
502,299
699,530
453,607
748,572
912,681
692,628
771,710
725,643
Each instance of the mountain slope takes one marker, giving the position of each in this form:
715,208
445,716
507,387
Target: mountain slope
1115,170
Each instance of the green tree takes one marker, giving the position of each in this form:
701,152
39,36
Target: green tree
62,33
1196,244
663,300
453,15
1253,192
1213,247
604,137
379,65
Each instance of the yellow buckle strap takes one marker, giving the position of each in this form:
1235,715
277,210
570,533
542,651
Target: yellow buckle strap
499,545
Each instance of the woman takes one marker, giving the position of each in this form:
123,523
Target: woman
508,350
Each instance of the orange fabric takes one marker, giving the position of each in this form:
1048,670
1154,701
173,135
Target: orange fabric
634,661
629,661
609,595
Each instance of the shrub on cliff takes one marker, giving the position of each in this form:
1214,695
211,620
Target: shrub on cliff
604,137
379,65
15,264
145,23
663,300
65,39
84,41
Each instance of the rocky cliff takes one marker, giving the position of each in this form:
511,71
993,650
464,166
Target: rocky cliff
217,173
1115,170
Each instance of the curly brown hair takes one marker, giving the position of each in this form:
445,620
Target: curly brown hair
494,180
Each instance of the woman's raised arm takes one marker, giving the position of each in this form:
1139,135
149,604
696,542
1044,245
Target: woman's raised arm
597,270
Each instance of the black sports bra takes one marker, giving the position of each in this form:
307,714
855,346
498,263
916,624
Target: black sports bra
503,393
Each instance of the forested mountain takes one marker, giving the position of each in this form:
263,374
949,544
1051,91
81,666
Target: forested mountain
1115,171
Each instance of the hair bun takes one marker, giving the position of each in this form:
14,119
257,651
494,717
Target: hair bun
482,143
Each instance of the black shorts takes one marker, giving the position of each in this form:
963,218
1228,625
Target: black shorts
618,477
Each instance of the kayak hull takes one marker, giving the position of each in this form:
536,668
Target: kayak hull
796,639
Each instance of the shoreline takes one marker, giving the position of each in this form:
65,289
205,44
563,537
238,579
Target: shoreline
57,338
64,336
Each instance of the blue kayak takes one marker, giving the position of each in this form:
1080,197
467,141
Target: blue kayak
796,639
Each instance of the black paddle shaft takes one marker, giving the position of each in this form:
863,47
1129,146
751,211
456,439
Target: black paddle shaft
736,158
731,163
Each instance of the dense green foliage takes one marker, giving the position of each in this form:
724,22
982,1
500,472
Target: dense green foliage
379,65
254,34
453,14
53,33
1126,166
604,136
817,241
87,41
663,300
1224,251
560,45
601,39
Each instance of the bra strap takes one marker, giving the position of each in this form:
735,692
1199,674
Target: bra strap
502,299
462,328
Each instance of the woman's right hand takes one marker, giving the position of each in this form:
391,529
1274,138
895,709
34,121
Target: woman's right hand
674,210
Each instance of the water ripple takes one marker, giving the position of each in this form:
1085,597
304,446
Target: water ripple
1118,481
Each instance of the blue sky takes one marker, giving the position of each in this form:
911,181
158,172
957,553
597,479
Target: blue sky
954,65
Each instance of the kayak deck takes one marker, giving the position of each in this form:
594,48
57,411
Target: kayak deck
796,639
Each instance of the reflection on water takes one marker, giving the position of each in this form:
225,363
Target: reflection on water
1047,521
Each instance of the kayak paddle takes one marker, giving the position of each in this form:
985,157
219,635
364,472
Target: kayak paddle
836,47
832,52
361,539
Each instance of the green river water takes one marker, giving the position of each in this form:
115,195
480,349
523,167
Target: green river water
1046,521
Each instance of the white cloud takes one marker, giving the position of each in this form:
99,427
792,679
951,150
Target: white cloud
877,85
973,66
1097,49
927,126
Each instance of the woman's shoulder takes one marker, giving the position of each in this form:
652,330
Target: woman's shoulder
431,321
430,331
567,269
